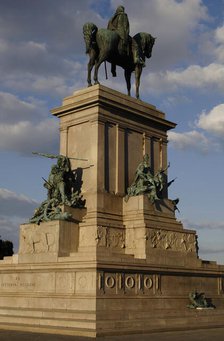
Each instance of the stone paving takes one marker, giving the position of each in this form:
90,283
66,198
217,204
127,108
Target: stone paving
192,335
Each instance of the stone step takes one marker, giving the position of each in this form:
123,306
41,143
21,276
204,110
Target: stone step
158,324
45,322
45,313
9,260
48,329
161,314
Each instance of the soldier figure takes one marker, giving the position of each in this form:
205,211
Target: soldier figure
62,190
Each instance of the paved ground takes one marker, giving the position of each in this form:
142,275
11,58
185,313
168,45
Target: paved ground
194,335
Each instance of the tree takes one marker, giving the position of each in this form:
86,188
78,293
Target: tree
6,248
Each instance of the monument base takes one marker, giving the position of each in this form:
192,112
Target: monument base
80,295
118,267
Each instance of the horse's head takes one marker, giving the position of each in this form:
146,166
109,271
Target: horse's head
149,42
89,32
145,43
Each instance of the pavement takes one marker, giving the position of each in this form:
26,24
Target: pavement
216,334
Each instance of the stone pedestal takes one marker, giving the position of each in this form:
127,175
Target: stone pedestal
117,267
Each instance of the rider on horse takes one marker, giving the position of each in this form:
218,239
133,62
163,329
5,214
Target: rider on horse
120,24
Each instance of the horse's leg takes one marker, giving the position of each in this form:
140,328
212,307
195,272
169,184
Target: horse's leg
90,67
127,75
98,62
113,70
92,57
95,78
138,72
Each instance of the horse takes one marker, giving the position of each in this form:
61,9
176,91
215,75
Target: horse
105,45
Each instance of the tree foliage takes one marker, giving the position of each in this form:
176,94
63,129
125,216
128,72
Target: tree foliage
6,248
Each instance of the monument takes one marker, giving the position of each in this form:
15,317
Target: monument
104,254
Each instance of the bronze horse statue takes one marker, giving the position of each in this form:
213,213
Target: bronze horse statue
103,45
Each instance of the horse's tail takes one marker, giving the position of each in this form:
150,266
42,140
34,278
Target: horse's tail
89,32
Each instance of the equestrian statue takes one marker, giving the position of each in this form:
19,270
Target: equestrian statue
115,46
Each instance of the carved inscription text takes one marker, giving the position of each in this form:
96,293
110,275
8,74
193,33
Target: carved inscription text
17,283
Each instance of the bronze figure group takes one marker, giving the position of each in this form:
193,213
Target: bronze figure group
61,190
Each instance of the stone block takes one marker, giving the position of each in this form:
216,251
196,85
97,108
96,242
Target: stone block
47,241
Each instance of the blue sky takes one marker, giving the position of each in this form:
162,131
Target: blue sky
42,60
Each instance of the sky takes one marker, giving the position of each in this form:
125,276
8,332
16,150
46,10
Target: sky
43,60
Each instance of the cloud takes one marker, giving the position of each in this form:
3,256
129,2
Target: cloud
207,250
50,56
33,57
193,77
212,253
25,125
172,22
14,109
209,47
210,238
219,34
13,204
197,76
48,44
193,140
213,121
59,22
15,209
25,136
7,227
219,41
210,225
37,70
9,230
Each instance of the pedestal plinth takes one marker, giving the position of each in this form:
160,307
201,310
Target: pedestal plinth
118,266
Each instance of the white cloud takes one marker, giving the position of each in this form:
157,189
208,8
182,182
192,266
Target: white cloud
47,50
13,204
213,121
60,22
14,109
9,230
194,76
197,76
219,35
168,16
193,140
43,52
25,125
37,69
5,194
25,136
212,252
15,209
210,225
45,62
219,40
210,238
172,22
